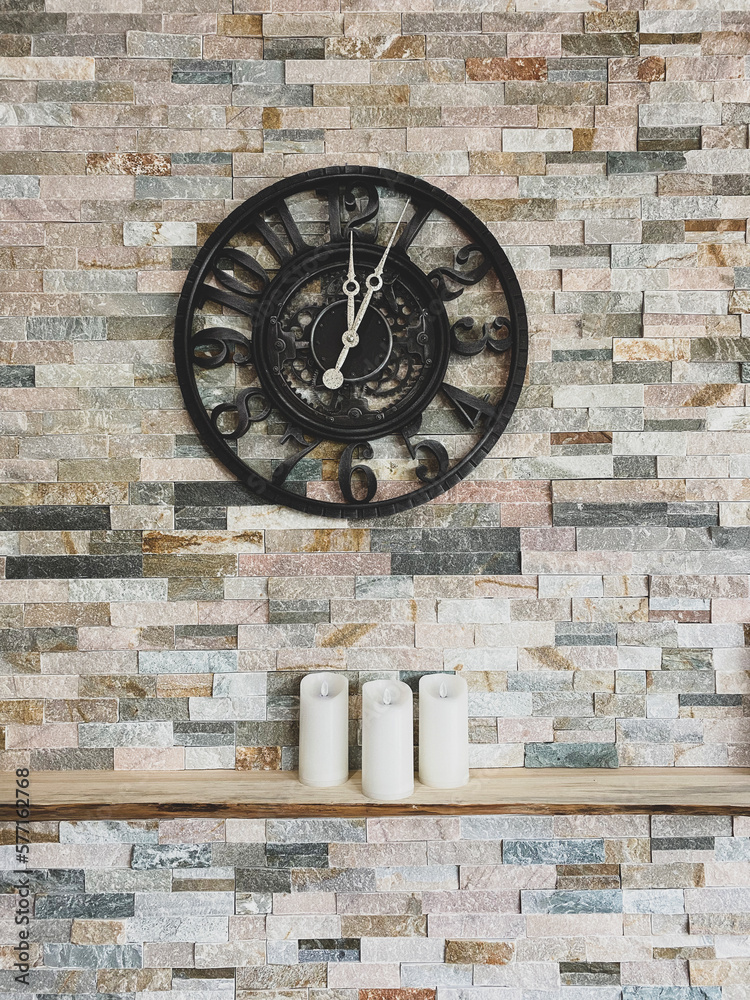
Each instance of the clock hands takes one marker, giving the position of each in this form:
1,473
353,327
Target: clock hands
332,378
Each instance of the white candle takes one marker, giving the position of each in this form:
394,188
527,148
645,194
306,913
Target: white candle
324,729
387,740
443,731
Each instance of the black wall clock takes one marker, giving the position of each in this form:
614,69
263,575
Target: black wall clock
351,342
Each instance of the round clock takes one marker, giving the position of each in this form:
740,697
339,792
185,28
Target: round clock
351,342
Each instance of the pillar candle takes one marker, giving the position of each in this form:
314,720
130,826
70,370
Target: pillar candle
443,731
324,729
387,740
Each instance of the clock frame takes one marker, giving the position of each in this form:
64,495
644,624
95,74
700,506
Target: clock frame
260,314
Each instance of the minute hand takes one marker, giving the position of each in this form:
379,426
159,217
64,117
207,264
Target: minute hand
374,281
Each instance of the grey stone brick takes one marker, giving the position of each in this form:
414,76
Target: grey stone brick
585,634
280,49
571,755
263,880
98,905
16,376
192,188
574,70
645,162
73,760
506,827
54,517
312,831
588,514
203,71
553,852
571,901
266,71
46,880
291,612
329,950
635,467
65,567
187,662
87,956
307,855
171,856
19,186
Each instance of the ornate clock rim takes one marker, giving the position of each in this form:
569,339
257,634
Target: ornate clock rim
267,491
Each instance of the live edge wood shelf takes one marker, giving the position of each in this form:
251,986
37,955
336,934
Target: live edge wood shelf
165,794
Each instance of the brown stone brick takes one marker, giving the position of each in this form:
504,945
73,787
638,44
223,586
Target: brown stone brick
48,615
479,952
132,980
534,68
128,163
239,24
376,47
258,758
116,686
28,712
385,925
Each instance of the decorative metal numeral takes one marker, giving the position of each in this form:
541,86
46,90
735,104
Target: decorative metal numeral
339,231
283,469
346,471
472,347
241,407
471,408
445,277
225,342
434,447
367,214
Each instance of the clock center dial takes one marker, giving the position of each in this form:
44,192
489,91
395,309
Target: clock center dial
393,365
369,355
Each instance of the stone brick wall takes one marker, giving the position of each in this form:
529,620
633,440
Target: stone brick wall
478,908
151,615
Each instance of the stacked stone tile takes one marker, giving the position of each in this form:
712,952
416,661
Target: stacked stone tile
423,908
591,584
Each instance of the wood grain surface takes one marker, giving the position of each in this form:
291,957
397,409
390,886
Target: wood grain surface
155,794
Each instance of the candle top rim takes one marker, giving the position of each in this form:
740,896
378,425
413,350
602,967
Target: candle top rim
430,685
312,684
373,692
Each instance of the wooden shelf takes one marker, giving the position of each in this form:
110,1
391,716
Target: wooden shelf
164,794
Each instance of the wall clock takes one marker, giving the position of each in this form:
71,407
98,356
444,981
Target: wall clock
351,342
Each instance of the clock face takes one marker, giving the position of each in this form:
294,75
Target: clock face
351,342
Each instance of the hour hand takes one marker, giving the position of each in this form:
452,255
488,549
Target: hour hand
351,285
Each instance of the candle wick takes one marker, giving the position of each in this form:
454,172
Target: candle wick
324,689
387,696
443,690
